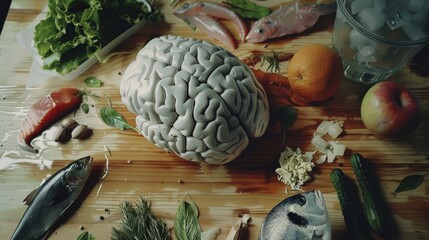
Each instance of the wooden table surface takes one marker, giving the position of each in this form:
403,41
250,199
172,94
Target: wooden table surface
222,193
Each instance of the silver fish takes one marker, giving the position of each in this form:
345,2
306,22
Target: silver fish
302,216
50,201
288,19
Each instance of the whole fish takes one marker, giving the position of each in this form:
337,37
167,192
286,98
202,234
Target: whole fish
204,15
302,216
288,19
52,200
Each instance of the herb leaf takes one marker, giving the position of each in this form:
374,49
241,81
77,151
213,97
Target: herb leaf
93,82
85,107
287,117
139,222
186,225
410,182
114,119
248,9
85,236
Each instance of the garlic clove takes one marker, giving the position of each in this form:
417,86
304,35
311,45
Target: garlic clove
60,135
81,131
69,124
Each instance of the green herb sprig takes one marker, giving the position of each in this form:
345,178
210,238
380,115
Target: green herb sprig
85,94
114,119
140,223
85,236
272,60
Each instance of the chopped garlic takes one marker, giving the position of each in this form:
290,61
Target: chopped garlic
294,170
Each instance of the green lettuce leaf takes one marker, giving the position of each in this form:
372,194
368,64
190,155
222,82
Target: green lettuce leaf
74,30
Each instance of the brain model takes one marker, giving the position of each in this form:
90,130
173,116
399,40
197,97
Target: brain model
195,99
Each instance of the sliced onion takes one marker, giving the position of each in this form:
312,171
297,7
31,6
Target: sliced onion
331,156
321,159
334,130
319,142
308,156
337,149
322,129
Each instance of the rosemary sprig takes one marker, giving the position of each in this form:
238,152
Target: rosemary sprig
272,60
139,223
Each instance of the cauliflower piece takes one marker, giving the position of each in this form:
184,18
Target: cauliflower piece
295,169
195,99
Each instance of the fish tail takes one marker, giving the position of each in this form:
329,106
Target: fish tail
325,9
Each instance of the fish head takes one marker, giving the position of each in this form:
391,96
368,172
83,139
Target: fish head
261,30
302,216
308,209
78,172
189,9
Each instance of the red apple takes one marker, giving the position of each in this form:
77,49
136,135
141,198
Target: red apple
390,110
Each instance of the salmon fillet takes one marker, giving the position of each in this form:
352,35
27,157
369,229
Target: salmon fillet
45,112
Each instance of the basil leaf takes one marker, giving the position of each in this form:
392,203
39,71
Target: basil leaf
186,225
85,236
287,117
85,107
409,183
248,9
114,119
93,82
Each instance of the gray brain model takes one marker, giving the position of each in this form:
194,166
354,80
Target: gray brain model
195,99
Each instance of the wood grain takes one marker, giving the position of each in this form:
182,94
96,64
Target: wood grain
223,193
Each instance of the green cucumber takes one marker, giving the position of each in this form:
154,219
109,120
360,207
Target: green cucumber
371,193
350,206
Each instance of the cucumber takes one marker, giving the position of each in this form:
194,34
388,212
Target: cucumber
371,193
350,206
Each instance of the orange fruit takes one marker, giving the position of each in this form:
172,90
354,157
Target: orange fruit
315,72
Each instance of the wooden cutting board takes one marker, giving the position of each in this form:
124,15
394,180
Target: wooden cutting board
222,193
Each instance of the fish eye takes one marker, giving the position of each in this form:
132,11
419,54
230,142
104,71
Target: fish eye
259,30
301,200
186,5
78,166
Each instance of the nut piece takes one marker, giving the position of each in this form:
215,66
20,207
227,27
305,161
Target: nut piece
81,131
61,135
69,124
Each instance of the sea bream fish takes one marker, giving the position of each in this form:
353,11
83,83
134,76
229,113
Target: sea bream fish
288,19
205,15
302,216
51,201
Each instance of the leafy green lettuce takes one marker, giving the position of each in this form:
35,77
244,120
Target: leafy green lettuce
74,30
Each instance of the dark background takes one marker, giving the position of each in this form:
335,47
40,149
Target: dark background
4,8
